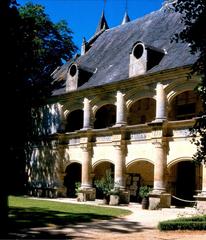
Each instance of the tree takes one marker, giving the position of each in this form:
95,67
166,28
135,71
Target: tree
32,47
194,33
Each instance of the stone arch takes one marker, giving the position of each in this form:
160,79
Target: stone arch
73,174
177,160
175,88
100,101
139,172
68,108
184,180
98,162
137,94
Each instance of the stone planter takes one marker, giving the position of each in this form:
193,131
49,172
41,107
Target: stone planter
114,200
145,203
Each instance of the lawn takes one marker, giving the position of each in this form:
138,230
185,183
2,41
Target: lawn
26,213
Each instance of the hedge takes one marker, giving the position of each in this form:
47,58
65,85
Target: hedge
193,223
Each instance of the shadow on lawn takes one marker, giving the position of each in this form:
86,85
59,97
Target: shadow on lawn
26,223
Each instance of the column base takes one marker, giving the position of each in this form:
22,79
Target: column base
86,194
201,202
159,200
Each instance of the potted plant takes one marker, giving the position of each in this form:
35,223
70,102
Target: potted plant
105,185
144,194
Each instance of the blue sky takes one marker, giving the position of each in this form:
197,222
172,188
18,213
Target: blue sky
83,16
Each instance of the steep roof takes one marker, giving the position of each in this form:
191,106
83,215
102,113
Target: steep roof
110,52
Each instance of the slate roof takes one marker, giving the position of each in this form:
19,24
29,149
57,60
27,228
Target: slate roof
109,54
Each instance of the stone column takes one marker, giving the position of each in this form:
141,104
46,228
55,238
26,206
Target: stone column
159,168
160,103
120,112
87,114
159,198
119,172
86,167
86,191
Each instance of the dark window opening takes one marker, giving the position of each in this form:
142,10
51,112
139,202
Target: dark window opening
74,121
105,117
138,51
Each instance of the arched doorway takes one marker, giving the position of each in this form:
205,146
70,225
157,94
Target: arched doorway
184,182
141,111
73,175
100,172
105,116
139,173
74,121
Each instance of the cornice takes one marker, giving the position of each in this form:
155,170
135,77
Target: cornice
125,84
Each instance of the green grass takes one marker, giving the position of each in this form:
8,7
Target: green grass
26,213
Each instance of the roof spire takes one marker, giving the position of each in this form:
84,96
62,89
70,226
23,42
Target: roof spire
102,22
126,18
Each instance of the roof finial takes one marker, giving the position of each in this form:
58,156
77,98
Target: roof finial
102,22
126,6
105,1
126,18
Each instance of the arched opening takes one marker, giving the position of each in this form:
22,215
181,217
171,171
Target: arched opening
73,70
184,182
105,116
100,172
139,173
74,121
186,105
73,175
141,111
138,50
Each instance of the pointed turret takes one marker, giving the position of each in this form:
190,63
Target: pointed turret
102,23
126,18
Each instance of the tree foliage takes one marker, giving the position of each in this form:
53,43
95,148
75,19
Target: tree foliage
194,33
37,47
31,47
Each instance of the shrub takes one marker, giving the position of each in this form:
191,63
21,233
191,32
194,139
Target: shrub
144,191
193,223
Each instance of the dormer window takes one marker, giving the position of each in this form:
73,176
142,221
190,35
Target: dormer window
143,58
76,76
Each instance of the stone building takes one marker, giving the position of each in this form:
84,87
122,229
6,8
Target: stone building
125,104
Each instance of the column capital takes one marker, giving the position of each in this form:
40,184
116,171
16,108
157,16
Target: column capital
86,147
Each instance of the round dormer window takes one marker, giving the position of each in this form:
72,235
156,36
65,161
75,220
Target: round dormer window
73,70
138,50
